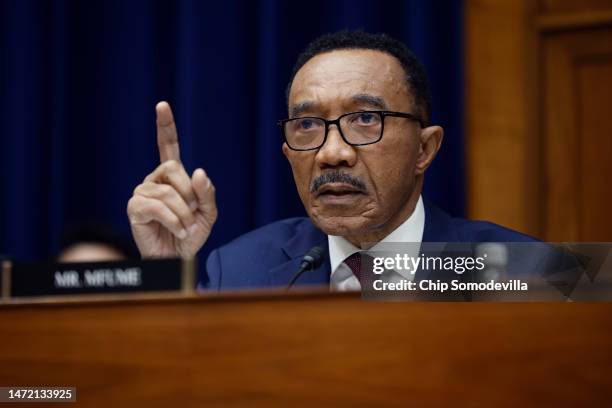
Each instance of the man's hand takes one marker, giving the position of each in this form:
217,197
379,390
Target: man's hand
170,213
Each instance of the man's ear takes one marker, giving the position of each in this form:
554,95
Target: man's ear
286,150
431,140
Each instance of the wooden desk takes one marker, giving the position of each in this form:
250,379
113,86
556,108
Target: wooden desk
310,350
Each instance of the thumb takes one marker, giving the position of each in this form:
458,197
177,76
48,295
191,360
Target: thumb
205,193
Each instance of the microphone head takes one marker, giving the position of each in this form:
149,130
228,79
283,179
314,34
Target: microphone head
315,257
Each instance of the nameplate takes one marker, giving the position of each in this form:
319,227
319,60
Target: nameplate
33,279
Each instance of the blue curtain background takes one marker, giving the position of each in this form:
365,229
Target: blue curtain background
79,81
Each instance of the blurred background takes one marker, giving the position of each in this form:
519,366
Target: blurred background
79,82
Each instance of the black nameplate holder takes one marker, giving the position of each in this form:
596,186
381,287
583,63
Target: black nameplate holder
36,279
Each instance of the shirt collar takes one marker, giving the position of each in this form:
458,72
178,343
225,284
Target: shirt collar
410,230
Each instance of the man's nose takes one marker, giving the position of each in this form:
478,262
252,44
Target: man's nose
335,151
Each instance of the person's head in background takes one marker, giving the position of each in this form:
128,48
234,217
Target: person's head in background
91,242
361,176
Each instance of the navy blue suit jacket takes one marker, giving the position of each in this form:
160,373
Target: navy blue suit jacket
269,256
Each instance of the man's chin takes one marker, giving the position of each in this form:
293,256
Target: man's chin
341,225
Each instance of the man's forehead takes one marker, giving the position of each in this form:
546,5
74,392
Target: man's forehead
345,75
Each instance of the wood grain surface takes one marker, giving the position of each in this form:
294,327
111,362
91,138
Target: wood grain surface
310,349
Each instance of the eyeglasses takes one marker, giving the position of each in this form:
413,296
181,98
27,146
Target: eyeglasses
356,129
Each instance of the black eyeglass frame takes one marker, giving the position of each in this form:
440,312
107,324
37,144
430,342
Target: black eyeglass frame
382,114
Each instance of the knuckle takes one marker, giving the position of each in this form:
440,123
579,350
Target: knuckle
132,205
156,207
166,191
139,189
153,175
137,208
172,166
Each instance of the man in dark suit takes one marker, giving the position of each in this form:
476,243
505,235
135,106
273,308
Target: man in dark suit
359,141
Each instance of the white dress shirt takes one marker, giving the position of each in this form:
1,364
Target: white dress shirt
343,279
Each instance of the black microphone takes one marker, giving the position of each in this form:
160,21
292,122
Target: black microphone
312,260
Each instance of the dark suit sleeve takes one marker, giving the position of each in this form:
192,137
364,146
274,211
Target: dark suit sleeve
212,276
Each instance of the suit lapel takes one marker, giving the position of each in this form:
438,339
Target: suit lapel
306,236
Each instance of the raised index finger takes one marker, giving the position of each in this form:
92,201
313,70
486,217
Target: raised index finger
167,138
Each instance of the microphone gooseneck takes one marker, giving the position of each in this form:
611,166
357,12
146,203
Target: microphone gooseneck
312,260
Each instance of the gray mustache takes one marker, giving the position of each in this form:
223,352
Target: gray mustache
336,177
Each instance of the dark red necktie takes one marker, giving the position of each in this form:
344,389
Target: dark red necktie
354,263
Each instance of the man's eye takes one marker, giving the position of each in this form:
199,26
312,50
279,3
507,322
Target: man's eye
306,124
366,119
